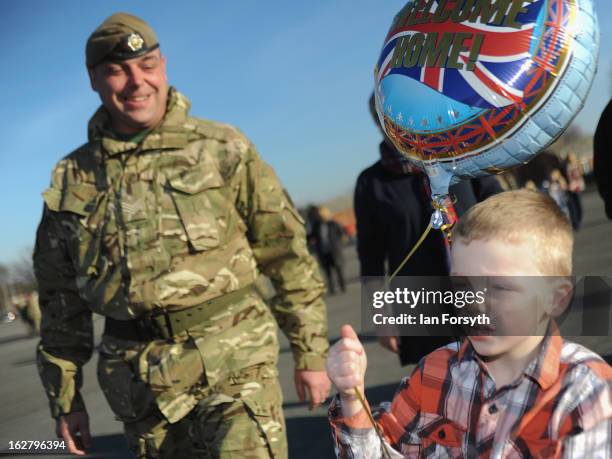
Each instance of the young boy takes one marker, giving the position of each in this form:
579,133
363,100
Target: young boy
491,396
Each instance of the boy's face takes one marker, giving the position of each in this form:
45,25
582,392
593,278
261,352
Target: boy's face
518,298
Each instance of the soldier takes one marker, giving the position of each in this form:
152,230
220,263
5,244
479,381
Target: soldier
163,223
30,312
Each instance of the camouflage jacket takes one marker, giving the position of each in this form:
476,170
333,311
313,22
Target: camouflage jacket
188,214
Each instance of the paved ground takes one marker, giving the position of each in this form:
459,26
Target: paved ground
24,408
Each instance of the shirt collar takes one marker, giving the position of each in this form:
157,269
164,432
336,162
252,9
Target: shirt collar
466,351
169,134
544,369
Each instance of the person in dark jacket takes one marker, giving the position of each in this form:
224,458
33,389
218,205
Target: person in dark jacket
602,157
393,207
327,236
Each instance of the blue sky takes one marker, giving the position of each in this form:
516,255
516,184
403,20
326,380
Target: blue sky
294,76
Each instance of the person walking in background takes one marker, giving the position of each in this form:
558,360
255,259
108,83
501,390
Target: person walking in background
602,158
556,188
312,221
30,312
575,186
327,236
393,207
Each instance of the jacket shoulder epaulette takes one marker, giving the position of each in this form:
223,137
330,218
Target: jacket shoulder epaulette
233,145
74,166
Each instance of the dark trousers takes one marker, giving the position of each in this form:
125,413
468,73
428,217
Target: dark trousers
575,209
329,264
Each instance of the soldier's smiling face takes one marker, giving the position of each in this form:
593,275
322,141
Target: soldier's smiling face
134,91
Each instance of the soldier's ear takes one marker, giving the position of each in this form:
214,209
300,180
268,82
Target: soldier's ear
162,60
92,78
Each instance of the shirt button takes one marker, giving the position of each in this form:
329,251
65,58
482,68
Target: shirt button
493,409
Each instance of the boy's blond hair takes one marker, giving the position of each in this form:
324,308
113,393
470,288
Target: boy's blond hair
523,215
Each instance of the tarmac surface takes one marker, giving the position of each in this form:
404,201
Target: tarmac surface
25,414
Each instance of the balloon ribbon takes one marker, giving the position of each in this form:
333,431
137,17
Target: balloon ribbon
443,207
446,229
376,429
416,246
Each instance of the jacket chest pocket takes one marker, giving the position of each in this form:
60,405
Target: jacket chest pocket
203,206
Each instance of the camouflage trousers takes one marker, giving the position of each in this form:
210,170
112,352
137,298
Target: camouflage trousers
210,393
225,424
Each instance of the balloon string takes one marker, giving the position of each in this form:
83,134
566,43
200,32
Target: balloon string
378,432
359,396
416,246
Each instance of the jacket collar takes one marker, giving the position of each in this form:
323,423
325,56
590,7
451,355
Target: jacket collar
169,134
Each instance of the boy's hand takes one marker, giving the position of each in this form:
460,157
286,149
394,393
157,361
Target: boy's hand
346,364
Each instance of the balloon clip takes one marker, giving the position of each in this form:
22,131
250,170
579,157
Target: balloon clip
443,216
437,220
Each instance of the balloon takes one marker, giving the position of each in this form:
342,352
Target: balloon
466,88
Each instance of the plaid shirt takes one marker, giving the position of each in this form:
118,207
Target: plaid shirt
450,408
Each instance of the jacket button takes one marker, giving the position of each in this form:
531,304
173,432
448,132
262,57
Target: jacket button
441,434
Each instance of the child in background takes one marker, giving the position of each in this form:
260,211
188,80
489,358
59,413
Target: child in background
491,396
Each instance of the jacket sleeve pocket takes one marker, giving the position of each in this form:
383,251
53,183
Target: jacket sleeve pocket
79,199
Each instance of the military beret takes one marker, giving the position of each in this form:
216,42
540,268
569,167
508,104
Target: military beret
121,36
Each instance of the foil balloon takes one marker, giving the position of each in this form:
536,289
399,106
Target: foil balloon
466,88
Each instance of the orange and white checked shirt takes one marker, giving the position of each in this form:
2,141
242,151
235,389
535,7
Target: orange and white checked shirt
449,407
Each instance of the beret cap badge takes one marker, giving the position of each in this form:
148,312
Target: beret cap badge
120,37
135,42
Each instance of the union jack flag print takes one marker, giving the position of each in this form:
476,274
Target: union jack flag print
502,71
500,101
